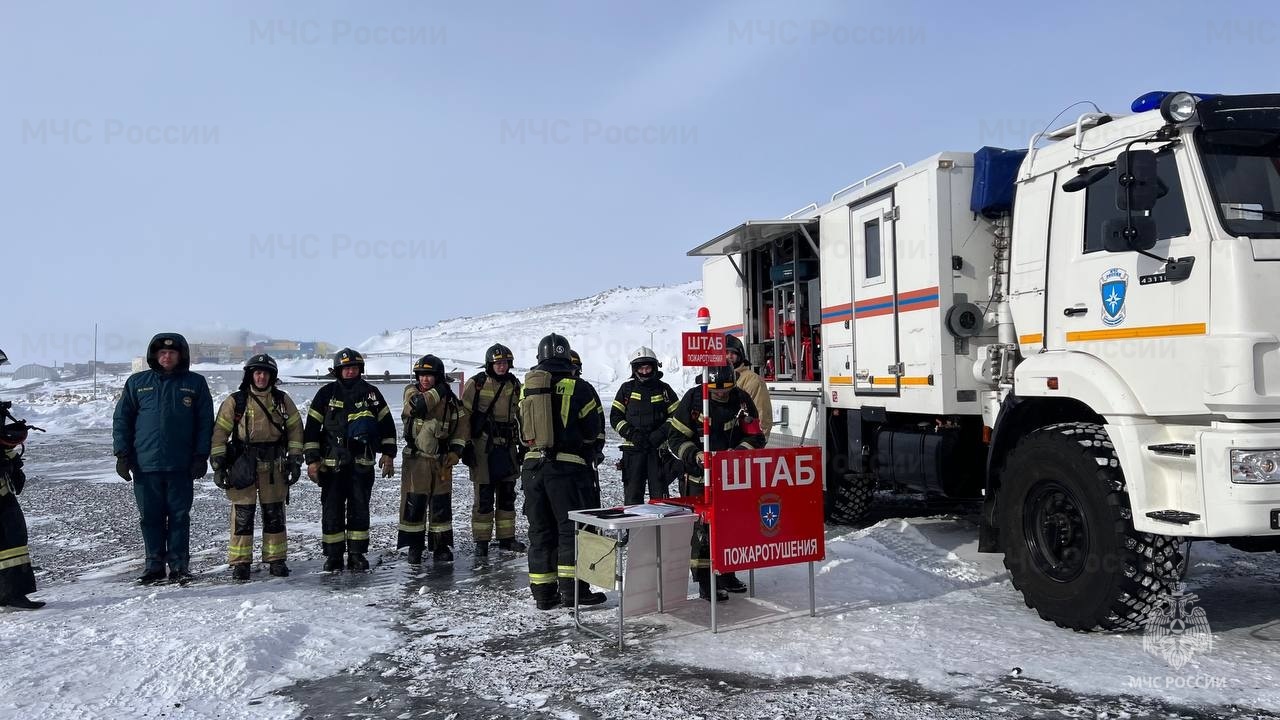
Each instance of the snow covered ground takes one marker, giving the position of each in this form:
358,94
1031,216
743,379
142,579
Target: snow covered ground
912,621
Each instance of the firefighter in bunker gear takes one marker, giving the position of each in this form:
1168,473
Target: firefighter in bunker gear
160,436
747,380
491,400
348,424
639,414
597,455
556,473
17,579
258,430
733,427
434,433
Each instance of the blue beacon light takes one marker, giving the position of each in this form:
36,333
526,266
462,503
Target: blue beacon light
1152,100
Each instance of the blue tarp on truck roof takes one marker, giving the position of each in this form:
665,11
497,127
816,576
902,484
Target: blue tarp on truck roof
994,172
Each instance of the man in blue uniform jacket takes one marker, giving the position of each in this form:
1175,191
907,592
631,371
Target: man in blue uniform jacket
160,437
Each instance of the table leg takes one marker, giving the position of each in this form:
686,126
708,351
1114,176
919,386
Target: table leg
577,528
658,532
620,583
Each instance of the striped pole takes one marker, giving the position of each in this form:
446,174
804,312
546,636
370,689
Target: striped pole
704,322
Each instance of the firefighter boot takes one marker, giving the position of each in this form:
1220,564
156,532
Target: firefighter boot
443,545
22,602
357,562
333,563
704,592
731,583
278,568
19,601
415,556
240,571
703,576
585,596
511,545
151,576
546,595
482,549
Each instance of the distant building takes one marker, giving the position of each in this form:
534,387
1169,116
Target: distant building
215,353
35,372
79,370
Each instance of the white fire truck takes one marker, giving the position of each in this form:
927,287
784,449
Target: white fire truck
1085,334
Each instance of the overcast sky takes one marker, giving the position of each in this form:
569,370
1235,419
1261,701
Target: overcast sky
329,170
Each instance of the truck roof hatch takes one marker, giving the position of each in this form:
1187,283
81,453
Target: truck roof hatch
753,234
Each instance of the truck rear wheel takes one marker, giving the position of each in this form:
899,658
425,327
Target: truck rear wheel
1070,546
849,498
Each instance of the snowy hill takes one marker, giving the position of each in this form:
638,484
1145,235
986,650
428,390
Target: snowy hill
604,329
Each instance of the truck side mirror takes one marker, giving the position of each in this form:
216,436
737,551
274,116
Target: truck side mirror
1127,234
1138,187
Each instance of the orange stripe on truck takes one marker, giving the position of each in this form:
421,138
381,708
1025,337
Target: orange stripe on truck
1150,331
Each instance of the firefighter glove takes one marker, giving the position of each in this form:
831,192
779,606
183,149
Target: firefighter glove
122,468
598,460
388,466
418,406
199,466
657,438
217,462
469,455
220,478
450,460
294,472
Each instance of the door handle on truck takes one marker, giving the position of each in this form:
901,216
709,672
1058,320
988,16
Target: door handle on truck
1074,311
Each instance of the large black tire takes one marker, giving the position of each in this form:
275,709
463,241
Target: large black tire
1068,535
849,498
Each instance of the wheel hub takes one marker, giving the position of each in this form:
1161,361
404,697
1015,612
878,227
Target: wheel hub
1054,530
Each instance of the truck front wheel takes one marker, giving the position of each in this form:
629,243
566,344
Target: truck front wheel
1070,546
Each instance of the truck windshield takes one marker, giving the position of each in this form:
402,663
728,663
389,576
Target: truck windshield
1243,168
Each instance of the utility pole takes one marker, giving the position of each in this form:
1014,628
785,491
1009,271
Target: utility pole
95,361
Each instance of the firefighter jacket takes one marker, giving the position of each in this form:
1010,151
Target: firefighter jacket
163,420
640,410
597,445
262,415
492,405
348,421
577,417
10,461
729,423
434,422
749,381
